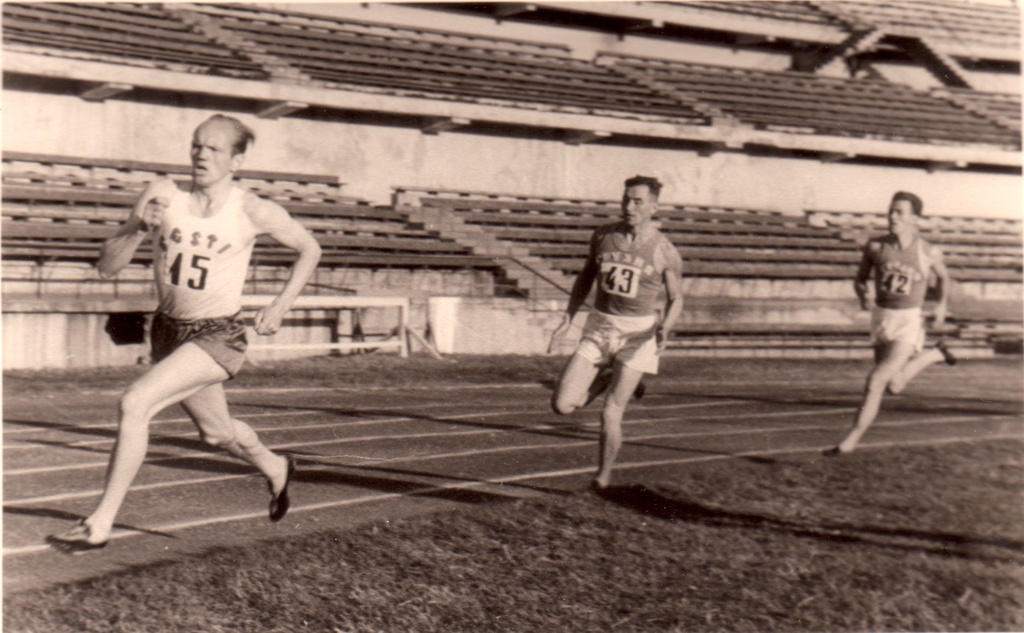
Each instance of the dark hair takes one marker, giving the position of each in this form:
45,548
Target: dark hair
912,199
244,136
652,184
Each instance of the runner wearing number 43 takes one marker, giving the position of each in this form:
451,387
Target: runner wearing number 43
902,262
639,298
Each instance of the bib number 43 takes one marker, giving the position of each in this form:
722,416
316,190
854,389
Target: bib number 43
620,279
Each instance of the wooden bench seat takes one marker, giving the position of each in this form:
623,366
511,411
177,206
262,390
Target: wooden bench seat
138,34
589,223
610,212
368,259
336,51
23,169
822,105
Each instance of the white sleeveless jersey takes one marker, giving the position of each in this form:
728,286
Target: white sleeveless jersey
201,263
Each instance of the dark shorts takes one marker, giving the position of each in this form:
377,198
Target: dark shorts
222,338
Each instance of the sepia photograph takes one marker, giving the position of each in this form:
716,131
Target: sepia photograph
460,317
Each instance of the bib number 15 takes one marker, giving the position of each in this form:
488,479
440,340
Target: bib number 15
195,274
620,280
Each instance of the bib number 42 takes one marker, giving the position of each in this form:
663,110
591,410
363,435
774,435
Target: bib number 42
896,284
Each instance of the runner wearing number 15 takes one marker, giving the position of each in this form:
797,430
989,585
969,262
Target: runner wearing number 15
638,300
902,263
203,232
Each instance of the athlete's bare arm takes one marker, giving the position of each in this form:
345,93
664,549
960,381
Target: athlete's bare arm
674,294
577,297
273,220
117,251
942,273
860,282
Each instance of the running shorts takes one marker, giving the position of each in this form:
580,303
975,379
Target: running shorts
905,325
630,340
222,338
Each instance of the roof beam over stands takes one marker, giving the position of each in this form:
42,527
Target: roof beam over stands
436,125
945,165
581,137
835,157
693,17
104,91
509,9
280,109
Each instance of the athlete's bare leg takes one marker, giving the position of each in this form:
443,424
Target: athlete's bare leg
893,358
915,366
624,382
185,372
208,408
576,386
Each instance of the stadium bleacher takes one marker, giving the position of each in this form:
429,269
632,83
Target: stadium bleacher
356,55
809,104
62,208
722,242
134,34
736,105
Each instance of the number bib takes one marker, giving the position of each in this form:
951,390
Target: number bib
201,263
630,276
901,275
620,280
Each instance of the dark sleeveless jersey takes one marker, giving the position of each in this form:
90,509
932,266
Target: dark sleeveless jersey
901,274
630,275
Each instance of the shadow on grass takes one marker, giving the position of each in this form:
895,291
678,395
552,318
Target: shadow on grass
649,502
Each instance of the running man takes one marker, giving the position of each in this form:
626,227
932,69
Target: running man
638,271
902,262
203,234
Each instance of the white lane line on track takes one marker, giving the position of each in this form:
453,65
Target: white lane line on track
497,481
289,411
413,436
325,460
299,411
365,389
357,423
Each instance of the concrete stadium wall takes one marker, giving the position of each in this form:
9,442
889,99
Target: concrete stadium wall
374,159
74,336
66,279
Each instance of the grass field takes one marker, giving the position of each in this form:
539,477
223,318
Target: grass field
927,538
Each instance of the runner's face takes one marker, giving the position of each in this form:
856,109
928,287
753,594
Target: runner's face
212,157
901,217
638,205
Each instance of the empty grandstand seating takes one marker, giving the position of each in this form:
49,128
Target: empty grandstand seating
804,103
134,34
261,43
975,248
62,209
1002,107
967,24
418,62
714,242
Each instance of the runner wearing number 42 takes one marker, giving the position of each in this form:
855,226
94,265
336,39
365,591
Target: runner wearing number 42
638,300
902,262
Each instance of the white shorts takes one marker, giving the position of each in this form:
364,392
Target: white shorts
905,325
631,340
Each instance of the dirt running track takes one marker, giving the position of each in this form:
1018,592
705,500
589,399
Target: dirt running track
373,455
